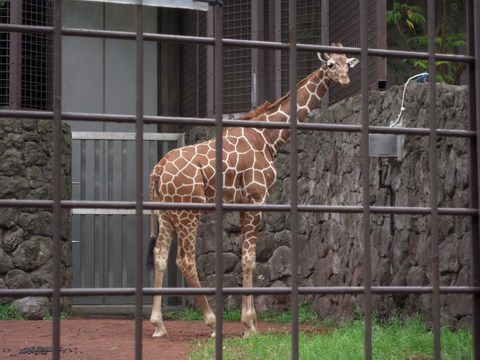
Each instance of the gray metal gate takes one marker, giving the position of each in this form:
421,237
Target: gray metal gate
103,239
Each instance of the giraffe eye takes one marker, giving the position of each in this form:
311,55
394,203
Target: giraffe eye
330,64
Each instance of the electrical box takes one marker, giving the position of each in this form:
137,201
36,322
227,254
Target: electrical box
386,145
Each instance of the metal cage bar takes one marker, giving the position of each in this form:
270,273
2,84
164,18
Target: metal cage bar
364,145
434,211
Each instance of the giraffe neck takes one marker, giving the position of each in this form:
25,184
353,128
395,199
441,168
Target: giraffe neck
309,93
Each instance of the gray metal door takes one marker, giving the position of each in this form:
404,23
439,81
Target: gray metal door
103,166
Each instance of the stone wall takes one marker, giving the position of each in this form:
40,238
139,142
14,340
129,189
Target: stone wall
26,168
331,245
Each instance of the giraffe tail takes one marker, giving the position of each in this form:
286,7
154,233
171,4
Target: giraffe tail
153,239
150,260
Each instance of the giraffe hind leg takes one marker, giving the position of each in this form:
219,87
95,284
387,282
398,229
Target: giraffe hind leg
159,253
249,222
186,227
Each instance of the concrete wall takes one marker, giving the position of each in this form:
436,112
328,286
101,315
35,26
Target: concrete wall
99,74
331,245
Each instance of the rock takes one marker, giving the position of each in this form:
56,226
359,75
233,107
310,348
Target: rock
280,263
416,276
6,263
33,308
33,253
37,223
12,239
11,162
18,279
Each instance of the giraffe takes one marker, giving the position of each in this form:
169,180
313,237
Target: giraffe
187,175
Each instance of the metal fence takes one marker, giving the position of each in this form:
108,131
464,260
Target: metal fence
472,59
25,58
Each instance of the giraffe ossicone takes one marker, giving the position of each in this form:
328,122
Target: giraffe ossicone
187,175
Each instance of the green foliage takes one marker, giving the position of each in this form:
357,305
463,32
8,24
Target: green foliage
410,25
9,312
187,313
396,339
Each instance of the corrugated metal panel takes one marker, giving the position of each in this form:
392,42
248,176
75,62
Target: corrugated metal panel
102,245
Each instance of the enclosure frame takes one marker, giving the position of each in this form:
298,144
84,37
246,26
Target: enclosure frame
217,42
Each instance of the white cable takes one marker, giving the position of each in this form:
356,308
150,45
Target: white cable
402,108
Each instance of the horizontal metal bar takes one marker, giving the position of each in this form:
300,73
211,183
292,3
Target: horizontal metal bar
178,4
107,212
239,123
354,209
94,135
232,42
340,290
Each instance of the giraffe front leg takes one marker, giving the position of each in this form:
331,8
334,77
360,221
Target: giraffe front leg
250,222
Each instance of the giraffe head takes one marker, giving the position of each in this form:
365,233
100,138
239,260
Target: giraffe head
337,65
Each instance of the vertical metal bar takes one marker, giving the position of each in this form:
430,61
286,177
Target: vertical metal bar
275,56
365,178
473,32
139,183
15,61
434,181
218,60
325,39
381,35
257,54
292,21
210,66
57,173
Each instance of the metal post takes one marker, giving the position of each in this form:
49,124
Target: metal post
257,54
433,181
139,183
364,60
473,33
15,62
292,31
325,35
275,56
218,60
57,173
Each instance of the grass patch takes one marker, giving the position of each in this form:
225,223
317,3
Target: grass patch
10,312
397,339
306,315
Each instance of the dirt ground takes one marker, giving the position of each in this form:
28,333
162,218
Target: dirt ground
95,338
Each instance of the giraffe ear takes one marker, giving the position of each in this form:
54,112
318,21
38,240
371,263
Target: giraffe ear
352,62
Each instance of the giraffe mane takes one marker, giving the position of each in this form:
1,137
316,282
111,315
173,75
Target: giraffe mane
267,106
254,113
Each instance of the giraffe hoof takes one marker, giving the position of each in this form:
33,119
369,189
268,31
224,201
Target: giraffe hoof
160,333
250,332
